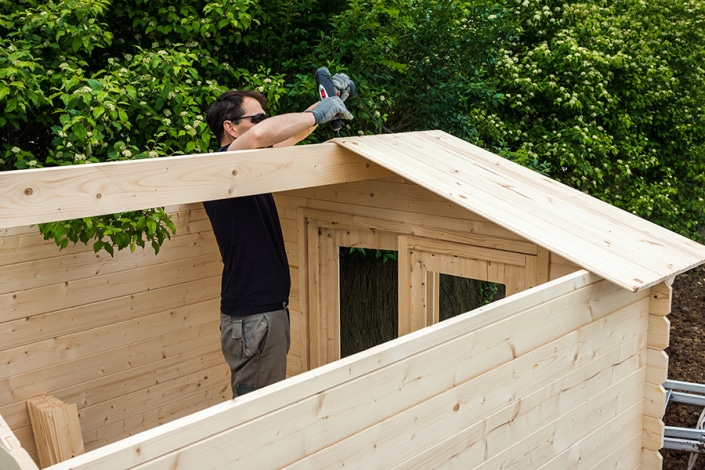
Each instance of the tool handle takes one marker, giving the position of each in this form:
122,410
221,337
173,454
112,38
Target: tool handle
327,89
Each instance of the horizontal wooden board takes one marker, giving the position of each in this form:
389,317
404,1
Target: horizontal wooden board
70,192
40,327
68,294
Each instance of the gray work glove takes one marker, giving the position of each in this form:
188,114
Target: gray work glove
342,83
330,108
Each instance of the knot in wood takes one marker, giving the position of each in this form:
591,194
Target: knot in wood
28,191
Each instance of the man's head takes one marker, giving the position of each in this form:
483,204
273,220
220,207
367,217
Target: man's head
225,115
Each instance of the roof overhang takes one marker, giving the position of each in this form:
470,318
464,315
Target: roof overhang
617,245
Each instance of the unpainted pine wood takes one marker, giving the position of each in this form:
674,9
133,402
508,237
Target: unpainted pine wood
300,313
334,420
401,195
115,385
36,301
57,351
330,305
651,460
443,247
628,457
661,297
313,245
551,438
114,361
56,428
659,332
431,225
654,403
511,392
29,245
62,193
593,213
28,330
656,366
624,429
292,425
523,207
653,433
186,405
216,419
44,272
154,397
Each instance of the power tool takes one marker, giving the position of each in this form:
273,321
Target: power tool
326,88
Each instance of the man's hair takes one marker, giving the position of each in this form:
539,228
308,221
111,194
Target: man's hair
228,107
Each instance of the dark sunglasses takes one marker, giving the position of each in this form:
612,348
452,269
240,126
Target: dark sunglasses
254,119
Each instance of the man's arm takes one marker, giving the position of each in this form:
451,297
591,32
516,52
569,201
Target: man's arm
276,130
288,129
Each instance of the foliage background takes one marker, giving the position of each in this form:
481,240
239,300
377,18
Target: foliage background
605,96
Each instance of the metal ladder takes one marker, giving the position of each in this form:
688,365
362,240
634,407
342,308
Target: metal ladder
688,439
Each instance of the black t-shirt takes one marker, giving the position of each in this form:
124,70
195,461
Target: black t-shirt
256,275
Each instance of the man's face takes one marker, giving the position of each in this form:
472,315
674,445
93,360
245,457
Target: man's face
251,107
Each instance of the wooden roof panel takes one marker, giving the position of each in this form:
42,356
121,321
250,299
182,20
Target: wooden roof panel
617,245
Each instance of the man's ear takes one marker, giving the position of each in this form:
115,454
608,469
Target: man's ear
229,129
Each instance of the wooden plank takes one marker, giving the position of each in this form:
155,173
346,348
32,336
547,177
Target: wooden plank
315,323
56,428
627,457
60,350
661,296
472,178
43,272
115,385
443,247
656,366
448,422
654,401
626,428
300,313
29,245
651,460
653,433
659,332
425,225
111,362
70,192
138,402
549,439
35,328
70,293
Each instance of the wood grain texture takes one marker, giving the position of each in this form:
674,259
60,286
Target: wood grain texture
69,192
613,243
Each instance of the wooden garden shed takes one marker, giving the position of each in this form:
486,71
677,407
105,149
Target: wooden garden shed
565,372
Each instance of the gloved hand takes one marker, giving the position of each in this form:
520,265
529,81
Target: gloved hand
342,83
329,109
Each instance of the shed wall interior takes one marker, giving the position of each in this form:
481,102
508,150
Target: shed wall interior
133,341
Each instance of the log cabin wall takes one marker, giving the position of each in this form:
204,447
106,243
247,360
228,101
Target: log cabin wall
131,340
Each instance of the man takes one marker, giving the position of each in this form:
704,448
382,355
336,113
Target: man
255,284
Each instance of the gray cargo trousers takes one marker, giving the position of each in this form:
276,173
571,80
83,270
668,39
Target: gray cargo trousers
255,347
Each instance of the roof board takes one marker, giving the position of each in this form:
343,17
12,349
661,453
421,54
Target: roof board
617,245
